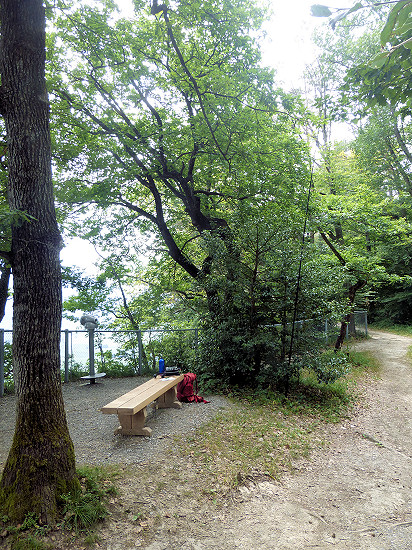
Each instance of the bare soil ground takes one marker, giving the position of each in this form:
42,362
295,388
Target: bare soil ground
353,494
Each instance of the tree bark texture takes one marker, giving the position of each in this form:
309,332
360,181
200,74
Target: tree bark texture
41,464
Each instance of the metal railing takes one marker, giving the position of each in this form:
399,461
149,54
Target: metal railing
79,347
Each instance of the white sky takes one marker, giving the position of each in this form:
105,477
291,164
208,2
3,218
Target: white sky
288,48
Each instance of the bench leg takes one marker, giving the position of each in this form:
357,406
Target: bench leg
168,400
133,424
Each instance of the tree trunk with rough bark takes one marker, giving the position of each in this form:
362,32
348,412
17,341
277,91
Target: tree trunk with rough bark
41,463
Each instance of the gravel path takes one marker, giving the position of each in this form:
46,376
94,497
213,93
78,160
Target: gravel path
93,432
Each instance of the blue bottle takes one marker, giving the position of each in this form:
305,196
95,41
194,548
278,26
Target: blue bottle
161,366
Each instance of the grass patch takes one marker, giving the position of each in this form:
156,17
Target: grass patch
265,432
363,362
86,507
248,439
80,512
28,535
28,542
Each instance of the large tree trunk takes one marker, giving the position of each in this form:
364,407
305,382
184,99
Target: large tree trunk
41,463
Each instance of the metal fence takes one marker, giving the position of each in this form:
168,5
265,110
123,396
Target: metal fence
135,350
326,330
83,352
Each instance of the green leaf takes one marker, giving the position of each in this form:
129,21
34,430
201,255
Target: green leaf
393,19
404,14
344,14
379,60
317,10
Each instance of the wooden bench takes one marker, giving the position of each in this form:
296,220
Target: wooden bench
131,408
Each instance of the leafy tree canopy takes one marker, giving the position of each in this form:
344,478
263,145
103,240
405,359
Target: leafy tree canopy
385,78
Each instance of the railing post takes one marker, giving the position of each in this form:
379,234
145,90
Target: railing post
196,347
1,362
66,355
91,352
366,323
140,349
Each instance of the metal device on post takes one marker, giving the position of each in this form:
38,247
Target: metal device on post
90,323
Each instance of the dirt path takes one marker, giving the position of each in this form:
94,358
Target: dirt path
355,495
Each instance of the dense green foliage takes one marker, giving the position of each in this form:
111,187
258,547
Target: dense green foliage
374,83
171,128
182,161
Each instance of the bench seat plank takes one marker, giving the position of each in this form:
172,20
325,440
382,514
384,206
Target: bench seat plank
131,407
119,402
140,397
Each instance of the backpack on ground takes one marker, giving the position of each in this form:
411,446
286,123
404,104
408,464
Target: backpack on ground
185,391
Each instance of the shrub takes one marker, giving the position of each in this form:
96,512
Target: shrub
114,365
76,371
177,348
328,366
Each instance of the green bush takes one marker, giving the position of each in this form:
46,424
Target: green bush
114,365
278,374
76,371
8,386
177,348
328,366
232,354
8,369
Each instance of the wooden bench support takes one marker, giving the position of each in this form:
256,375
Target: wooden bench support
131,408
133,424
168,400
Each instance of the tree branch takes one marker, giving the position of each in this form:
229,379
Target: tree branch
332,247
193,81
